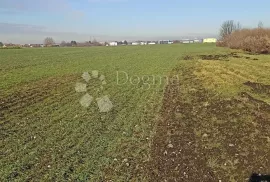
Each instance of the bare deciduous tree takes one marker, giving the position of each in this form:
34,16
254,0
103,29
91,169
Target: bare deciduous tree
95,43
63,44
228,27
49,41
73,43
260,24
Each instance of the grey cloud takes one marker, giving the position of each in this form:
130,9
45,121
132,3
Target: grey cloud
18,7
34,5
8,28
22,34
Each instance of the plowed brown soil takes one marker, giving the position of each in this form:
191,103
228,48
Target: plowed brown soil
204,137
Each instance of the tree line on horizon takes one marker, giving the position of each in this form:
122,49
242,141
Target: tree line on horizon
49,42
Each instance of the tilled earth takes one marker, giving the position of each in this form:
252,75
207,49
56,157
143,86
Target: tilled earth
202,136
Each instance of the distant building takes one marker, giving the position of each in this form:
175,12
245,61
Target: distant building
134,43
82,44
151,43
124,42
165,42
197,41
9,45
184,41
113,43
34,45
143,43
210,40
102,43
187,41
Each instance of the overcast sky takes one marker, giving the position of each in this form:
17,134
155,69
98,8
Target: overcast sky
30,21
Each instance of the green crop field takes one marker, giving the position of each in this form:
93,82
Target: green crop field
170,104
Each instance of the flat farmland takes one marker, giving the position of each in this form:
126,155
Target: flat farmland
171,112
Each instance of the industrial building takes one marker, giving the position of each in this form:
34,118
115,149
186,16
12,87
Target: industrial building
113,43
165,42
210,40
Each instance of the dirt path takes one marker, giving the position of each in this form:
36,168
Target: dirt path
204,137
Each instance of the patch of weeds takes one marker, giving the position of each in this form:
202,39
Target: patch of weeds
212,162
217,138
258,87
188,57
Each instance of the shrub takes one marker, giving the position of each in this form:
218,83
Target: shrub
15,47
253,40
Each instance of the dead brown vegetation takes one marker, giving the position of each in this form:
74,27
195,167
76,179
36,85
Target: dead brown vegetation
252,40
